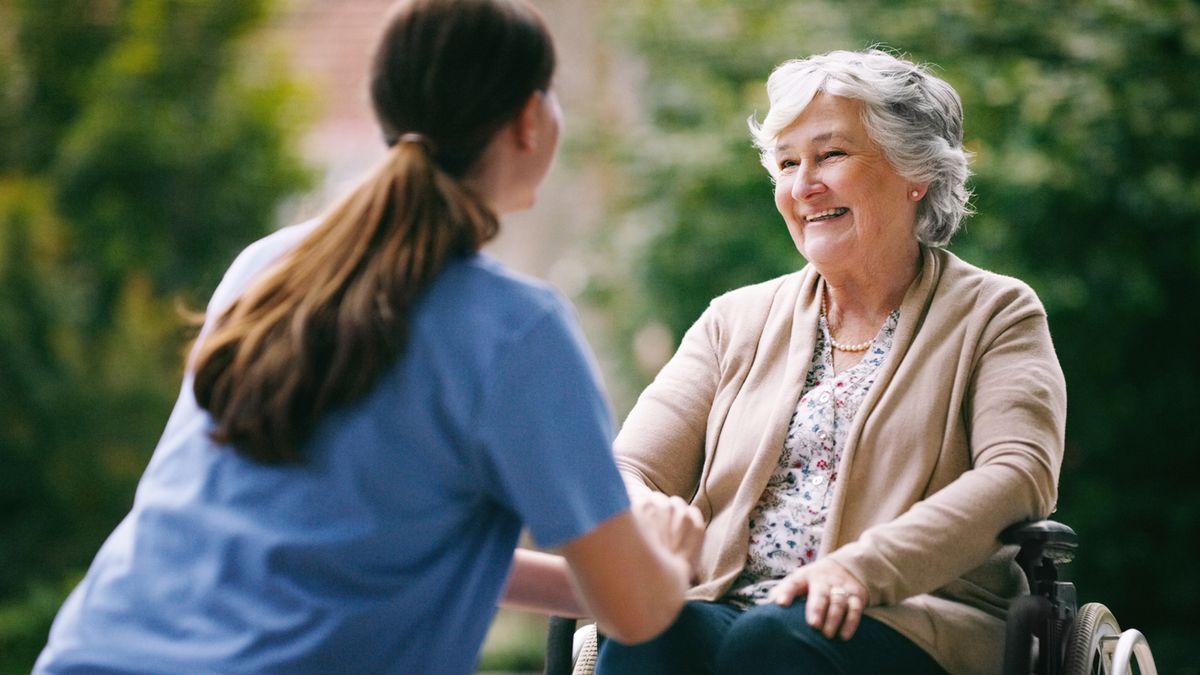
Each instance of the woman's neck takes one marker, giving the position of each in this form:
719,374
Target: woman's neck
861,299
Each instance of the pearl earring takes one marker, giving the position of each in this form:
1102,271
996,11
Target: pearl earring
915,194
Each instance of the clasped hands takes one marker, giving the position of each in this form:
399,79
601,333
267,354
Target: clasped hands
671,523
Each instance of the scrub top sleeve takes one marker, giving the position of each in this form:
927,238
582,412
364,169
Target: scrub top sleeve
546,431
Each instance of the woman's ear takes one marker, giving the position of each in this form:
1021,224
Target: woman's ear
526,124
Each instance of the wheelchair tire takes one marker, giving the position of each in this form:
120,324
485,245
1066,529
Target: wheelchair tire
1085,652
589,651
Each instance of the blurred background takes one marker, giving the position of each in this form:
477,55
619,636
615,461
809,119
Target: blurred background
144,142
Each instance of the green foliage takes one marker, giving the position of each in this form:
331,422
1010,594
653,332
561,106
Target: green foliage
516,643
1083,117
24,623
141,144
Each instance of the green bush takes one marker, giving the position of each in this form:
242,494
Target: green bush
142,142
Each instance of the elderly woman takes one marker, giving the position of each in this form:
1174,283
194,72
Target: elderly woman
859,432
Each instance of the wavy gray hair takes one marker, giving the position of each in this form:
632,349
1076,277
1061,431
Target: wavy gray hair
914,117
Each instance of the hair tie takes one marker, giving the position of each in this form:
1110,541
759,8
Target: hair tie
417,138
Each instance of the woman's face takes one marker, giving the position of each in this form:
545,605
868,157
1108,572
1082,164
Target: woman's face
844,205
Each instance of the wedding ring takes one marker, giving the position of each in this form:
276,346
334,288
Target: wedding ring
837,592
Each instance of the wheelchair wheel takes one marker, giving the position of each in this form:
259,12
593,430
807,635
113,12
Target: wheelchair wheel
588,650
1091,640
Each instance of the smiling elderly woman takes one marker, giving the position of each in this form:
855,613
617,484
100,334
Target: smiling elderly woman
856,433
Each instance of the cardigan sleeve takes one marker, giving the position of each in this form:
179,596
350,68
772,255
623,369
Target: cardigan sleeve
1014,411
661,444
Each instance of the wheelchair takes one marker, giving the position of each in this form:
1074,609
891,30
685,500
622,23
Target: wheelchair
1047,633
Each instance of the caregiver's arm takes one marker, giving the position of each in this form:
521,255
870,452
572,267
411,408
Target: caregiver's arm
633,570
629,573
541,582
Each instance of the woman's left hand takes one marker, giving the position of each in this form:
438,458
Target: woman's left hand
835,598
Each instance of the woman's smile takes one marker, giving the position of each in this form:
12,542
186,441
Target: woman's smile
826,215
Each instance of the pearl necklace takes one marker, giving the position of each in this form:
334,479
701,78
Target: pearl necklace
860,347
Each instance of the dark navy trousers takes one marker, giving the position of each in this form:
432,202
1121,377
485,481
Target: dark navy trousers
722,639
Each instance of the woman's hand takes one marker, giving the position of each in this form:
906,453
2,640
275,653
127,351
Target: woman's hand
672,523
835,597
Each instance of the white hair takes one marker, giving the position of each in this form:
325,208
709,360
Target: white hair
913,116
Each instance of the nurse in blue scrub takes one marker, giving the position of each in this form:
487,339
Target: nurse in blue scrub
374,411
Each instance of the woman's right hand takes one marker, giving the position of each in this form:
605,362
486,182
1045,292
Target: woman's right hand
671,523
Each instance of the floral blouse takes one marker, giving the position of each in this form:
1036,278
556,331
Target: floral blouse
787,524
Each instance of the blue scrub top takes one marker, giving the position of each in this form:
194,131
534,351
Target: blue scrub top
386,551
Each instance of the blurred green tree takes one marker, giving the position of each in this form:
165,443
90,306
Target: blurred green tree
142,143
1084,119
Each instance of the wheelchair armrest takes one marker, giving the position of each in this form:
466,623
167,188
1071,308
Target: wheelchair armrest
1042,538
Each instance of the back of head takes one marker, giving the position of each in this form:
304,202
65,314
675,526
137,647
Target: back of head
455,71
316,330
915,117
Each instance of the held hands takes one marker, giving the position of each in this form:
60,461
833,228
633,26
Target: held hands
835,597
672,524
632,571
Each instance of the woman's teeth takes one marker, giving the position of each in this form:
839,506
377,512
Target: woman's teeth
826,214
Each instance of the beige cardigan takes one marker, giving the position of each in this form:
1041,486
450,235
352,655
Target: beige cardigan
961,435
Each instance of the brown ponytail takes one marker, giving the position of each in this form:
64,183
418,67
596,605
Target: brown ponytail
317,330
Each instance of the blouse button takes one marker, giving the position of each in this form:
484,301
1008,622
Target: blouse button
817,480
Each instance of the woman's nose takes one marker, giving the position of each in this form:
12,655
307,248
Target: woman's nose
806,184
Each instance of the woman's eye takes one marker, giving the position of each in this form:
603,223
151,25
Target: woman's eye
786,164
830,154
